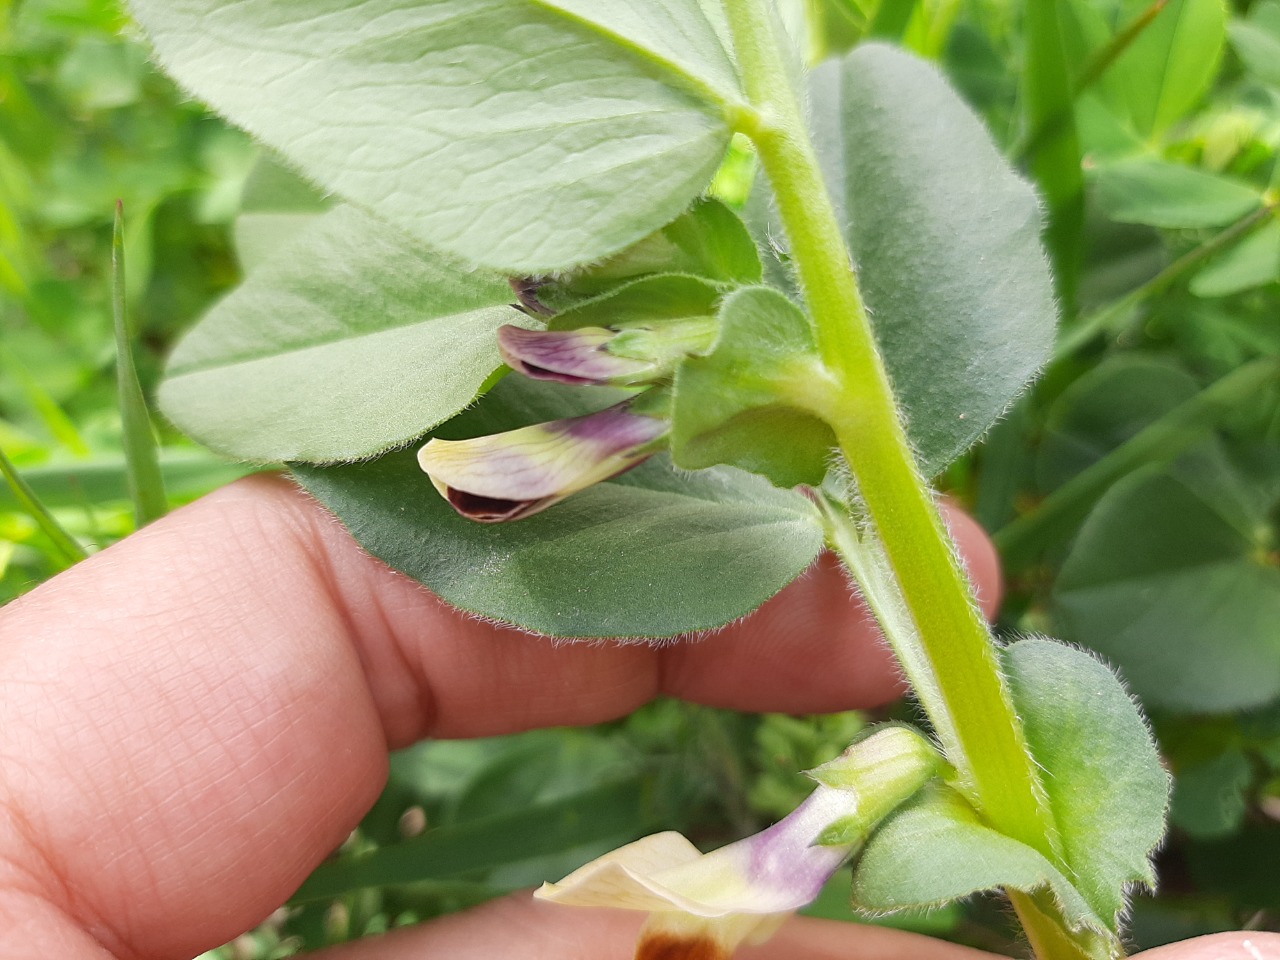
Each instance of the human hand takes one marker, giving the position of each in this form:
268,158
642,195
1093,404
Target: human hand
193,719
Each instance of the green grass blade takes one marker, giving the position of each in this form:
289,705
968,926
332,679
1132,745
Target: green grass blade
65,547
1023,540
146,485
1047,100
611,813
60,426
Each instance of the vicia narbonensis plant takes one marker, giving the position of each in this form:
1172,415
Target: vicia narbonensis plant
778,384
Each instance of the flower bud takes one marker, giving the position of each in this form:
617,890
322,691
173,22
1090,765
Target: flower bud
513,475
627,354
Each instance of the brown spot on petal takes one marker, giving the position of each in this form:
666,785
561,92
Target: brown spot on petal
660,945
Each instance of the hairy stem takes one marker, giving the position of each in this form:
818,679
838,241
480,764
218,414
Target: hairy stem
967,701
903,557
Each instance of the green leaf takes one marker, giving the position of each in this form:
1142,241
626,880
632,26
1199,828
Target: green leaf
1167,69
659,297
1170,195
1257,41
1129,412
1106,787
1048,104
654,552
1209,798
277,205
352,340
1253,262
1103,409
524,136
946,239
1172,591
935,849
708,241
744,403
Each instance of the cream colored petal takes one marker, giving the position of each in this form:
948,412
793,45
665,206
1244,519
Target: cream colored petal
776,871
617,878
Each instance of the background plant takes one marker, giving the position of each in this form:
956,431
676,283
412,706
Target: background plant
1161,396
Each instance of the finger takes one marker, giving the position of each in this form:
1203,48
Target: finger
1219,946
202,712
815,647
519,928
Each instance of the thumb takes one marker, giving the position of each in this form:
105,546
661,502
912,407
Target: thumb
1220,946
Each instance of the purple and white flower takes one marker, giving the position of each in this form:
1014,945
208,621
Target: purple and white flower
703,906
706,905
579,356
509,476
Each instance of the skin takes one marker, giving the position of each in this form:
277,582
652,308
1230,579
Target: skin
192,719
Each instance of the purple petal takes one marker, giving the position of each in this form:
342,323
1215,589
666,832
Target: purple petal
513,475
567,356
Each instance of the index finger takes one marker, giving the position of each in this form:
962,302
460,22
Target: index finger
201,713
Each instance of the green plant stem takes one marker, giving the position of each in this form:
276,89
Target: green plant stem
967,700
1160,442
1116,314
146,485
941,637
66,548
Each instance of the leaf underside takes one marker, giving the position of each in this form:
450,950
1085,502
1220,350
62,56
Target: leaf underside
351,340
523,136
654,552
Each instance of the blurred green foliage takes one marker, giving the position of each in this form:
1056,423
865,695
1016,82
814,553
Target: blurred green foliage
1135,490
86,121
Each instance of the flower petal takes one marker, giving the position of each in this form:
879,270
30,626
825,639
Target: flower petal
775,871
578,356
618,878
512,475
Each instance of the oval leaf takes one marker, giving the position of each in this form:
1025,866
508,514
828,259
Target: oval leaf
351,340
1173,592
935,849
946,239
1107,789
525,136
1251,263
1172,196
654,552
